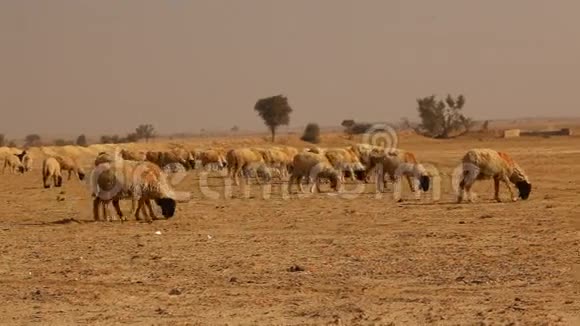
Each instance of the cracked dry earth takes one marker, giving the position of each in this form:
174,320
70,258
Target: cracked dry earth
315,260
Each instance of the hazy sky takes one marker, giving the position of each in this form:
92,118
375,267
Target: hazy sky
105,66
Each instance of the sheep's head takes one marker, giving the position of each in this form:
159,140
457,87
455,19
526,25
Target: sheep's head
334,178
21,168
167,206
59,181
424,182
81,174
524,188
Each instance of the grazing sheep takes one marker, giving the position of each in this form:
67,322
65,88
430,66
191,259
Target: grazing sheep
13,163
313,166
212,158
242,158
396,163
103,157
133,156
71,165
139,181
279,159
344,159
164,158
481,164
51,170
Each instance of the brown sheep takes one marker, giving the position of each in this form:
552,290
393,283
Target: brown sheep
240,159
71,165
51,170
482,164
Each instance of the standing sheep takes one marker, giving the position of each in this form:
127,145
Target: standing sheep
314,167
51,170
482,164
240,159
27,162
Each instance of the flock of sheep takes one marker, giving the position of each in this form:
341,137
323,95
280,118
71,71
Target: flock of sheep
142,176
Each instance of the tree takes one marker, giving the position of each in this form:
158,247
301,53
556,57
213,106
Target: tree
106,139
275,111
32,140
145,132
2,140
311,133
61,142
11,143
441,118
132,138
81,140
235,129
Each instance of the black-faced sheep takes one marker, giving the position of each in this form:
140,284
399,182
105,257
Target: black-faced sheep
481,164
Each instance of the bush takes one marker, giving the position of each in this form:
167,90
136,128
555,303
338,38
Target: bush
311,133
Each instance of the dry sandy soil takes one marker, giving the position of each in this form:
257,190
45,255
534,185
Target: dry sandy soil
321,259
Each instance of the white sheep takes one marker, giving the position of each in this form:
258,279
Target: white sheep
481,164
12,162
313,166
51,171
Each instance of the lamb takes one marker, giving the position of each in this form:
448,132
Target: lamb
139,181
51,170
13,163
71,165
396,163
242,158
481,164
314,167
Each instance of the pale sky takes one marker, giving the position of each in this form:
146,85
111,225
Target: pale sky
99,66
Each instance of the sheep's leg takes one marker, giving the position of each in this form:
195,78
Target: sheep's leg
237,170
151,213
290,181
96,203
314,186
352,176
44,181
140,208
496,189
69,174
506,182
118,210
411,183
299,182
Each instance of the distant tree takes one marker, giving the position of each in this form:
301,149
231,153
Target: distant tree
2,140
440,118
234,129
81,140
146,131
485,126
105,139
12,143
32,140
311,133
132,138
115,139
275,111
347,123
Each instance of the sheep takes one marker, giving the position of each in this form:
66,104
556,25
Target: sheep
27,162
481,164
139,181
103,157
13,163
51,170
71,165
279,159
344,159
396,163
242,158
133,156
313,166
212,158
164,158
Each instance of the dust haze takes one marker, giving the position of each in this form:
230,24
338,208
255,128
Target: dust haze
96,67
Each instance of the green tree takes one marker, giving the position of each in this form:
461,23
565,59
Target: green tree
440,118
275,111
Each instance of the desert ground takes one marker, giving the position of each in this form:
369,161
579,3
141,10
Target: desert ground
260,256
